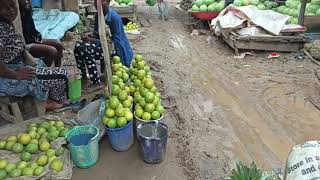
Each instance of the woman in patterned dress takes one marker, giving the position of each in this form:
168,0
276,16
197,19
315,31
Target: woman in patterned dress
17,78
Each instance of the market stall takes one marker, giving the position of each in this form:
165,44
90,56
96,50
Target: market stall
243,24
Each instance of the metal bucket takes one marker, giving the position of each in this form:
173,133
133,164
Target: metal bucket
84,145
153,137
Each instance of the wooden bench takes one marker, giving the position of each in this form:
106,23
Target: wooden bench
10,110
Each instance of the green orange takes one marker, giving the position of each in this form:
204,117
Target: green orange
146,116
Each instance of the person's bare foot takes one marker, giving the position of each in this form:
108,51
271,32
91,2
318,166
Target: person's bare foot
52,105
64,102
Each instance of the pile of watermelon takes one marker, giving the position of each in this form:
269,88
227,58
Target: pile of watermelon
260,4
207,6
123,3
292,9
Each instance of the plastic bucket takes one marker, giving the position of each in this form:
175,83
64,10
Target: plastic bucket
153,141
37,3
138,121
74,85
84,145
121,139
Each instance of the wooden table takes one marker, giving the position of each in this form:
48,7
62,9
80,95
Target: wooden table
129,12
266,43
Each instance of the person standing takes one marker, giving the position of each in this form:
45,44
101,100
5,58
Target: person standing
163,9
89,50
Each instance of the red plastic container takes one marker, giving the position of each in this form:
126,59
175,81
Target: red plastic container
205,16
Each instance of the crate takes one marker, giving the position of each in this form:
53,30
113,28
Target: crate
265,43
129,12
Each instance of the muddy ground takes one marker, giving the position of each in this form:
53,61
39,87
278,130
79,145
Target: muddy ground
225,109
219,109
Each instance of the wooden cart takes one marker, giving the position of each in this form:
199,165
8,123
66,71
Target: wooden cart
266,43
129,12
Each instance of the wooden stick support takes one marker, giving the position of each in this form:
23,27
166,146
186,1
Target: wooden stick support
104,45
302,12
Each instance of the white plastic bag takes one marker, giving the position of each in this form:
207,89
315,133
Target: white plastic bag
303,162
92,114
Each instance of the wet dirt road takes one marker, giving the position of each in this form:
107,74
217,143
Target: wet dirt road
226,109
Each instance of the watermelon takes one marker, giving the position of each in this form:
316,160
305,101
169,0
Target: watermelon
199,2
310,14
203,8
246,2
318,12
313,8
315,2
195,8
286,11
255,2
295,20
261,7
280,9
268,4
220,6
126,1
211,8
214,6
237,3
208,2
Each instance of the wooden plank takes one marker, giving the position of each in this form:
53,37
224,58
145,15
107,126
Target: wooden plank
5,100
16,112
312,23
52,4
7,117
71,5
128,9
274,46
127,12
17,22
272,38
104,44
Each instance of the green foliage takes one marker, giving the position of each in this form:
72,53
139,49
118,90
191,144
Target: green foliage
243,172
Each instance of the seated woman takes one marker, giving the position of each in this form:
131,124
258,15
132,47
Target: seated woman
18,79
49,49
89,50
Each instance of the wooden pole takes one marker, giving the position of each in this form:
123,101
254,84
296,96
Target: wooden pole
17,22
104,45
302,12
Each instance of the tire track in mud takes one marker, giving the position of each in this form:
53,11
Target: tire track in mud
182,135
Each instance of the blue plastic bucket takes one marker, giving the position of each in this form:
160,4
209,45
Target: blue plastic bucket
153,137
84,145
37,3
121,139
